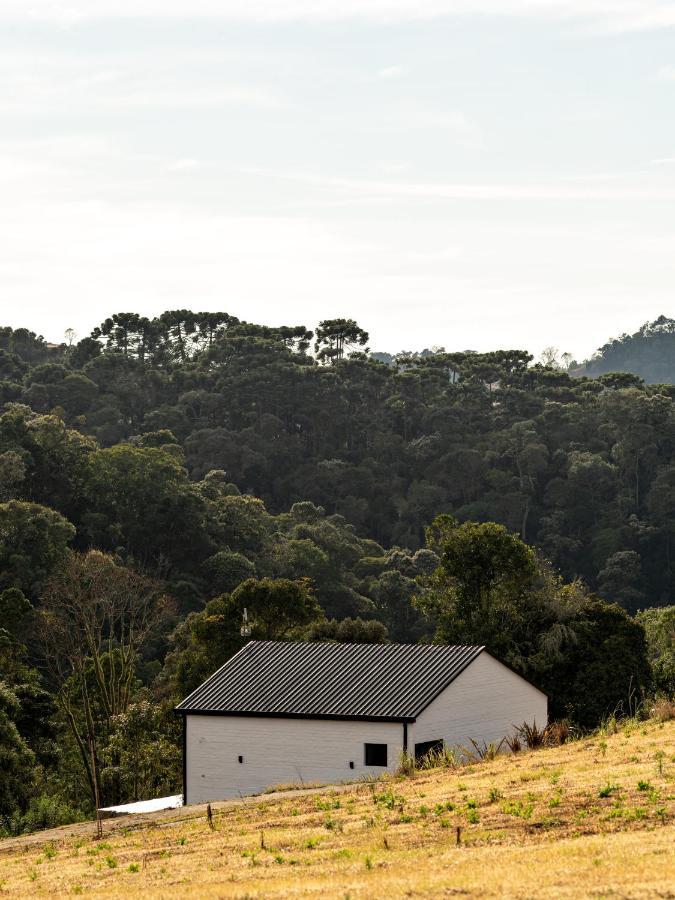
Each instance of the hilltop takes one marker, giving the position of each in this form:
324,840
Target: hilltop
596,815
648,354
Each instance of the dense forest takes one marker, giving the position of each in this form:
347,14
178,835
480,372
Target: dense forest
159,476
580,467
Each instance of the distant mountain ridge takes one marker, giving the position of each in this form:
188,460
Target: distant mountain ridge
649,353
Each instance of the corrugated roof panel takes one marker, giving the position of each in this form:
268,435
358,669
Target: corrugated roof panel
365,681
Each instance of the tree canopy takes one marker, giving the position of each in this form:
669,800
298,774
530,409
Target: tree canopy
163,474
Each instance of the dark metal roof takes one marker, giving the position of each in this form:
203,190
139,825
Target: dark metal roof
392,682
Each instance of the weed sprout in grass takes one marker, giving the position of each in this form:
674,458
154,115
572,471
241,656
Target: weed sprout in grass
554,801
608,789
518,808
389,799
326,804
134,867
440,808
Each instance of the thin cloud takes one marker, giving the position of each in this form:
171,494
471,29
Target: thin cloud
562,190
83,86
611,15
426,257
391,72
182,165
168,98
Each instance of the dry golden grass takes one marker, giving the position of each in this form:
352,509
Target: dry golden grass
594,818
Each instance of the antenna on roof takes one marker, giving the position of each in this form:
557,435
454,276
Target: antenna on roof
245,630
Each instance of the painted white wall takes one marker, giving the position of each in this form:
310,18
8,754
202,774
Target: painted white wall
485,702
279,751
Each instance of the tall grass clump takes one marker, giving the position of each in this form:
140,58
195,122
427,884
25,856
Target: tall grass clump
662,710
444,757
406,764
552,735
482,752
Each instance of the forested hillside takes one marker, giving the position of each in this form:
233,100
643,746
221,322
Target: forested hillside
158,477
582,468
649,353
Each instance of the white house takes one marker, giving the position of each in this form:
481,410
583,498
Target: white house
280,712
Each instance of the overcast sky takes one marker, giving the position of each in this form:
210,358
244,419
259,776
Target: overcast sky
467,173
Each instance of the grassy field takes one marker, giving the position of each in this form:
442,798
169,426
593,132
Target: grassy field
593,818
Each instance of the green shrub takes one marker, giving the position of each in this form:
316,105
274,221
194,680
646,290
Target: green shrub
43,812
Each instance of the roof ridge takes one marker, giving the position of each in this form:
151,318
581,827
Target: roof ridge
363,644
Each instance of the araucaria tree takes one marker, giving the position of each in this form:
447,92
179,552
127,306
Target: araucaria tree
334,337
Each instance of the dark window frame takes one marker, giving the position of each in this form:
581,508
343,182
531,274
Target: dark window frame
376,755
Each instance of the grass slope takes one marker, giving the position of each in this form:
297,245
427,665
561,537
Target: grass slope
594,818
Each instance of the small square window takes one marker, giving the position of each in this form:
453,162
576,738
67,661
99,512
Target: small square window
376,754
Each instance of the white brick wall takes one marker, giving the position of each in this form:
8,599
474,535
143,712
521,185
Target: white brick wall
278,751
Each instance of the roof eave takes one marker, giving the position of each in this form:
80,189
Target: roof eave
400,720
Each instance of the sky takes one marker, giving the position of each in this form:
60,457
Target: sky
470,174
